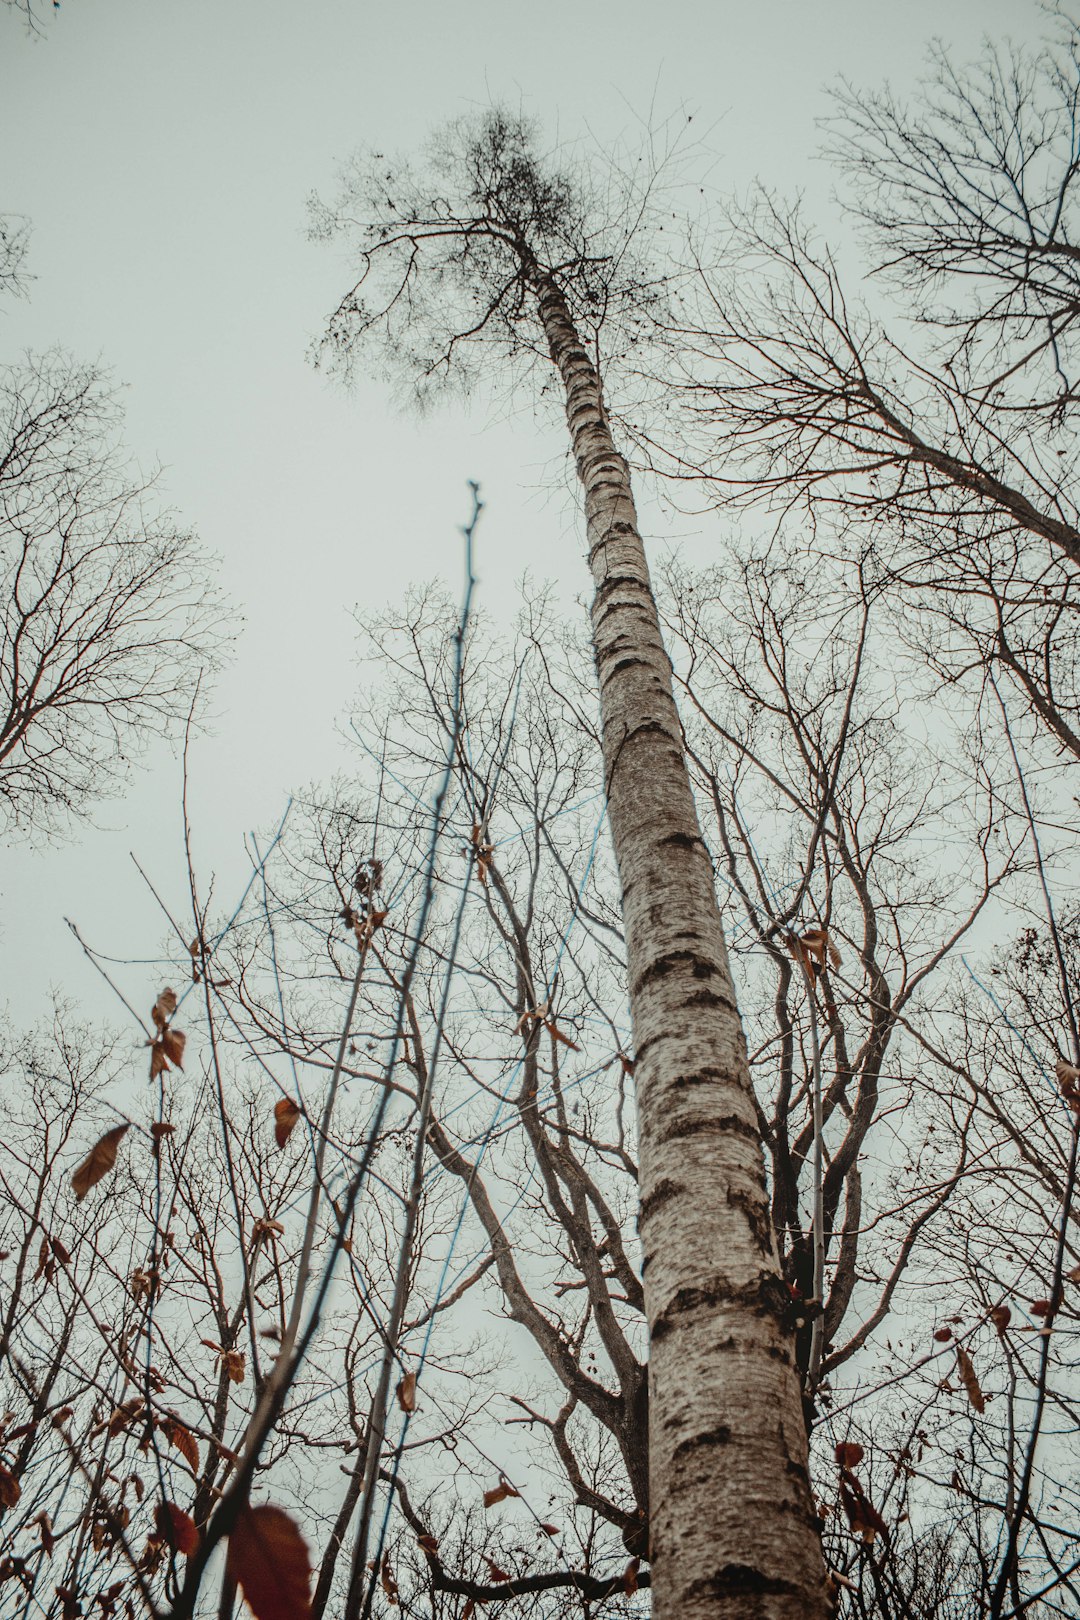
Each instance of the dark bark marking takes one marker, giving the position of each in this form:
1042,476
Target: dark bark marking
720,1436
683,840
671,962
646,1045
742,1580
767,1296
730,1125
624,664
756,1213
615,582
709,998
662,1193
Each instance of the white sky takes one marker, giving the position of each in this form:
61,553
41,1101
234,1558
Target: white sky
163,152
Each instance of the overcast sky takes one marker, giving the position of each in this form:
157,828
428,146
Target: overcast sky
163,150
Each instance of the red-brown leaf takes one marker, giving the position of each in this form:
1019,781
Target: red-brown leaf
1001,1316
499,1493
849,1454
943,1335
428,1545
406,1393
630,1577
163,1008
45,1530
180,1436
98,1162
268,1558
969,1380
497,1574
286,1114
862,1515
172,1044
557,1035
176,1528
234,1365
10,1489
122,1415
167,1049
387,1581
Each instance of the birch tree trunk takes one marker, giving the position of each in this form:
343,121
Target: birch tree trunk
733,1525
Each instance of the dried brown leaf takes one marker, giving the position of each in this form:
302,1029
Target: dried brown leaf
499,1492
269,1560
163,1008
167,1050
98,1162
406,1393
969,1380
176,1528
862,1515
172,1044
10,1489
122,1415
180,1436
849,1454
264,1228
286,1114
387,1581
557,1035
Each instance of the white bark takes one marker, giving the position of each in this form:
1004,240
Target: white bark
733,1525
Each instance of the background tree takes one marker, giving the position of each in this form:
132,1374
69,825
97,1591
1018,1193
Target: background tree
934,427
108,620
525,1212
14,242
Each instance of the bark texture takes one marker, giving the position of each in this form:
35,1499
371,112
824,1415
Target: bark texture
733,1526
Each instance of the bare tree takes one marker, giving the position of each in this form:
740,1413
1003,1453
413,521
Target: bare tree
36,14
490,246
14,242
936,424
108,619
523,1325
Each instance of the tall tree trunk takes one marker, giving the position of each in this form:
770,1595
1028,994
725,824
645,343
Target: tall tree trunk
732,1522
